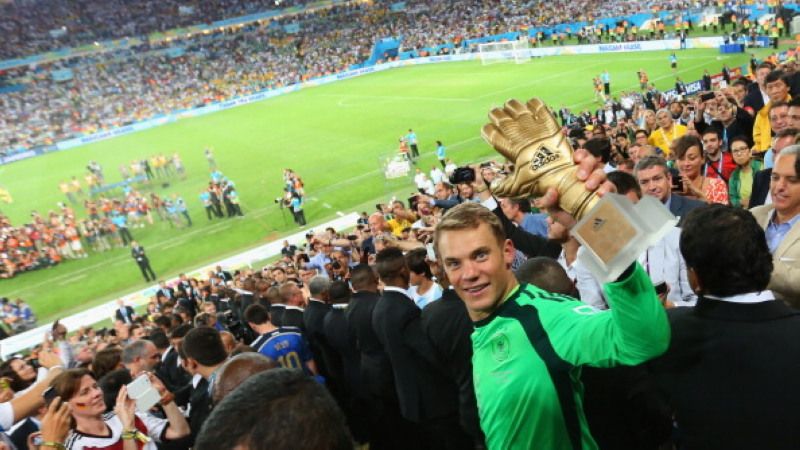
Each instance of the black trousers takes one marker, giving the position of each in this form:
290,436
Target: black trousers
147,271
299,217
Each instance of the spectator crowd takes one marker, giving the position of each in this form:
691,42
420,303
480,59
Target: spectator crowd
463,319
119,87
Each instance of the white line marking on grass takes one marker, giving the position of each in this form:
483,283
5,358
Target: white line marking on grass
537,80
395,97
174,244
72,279
219,230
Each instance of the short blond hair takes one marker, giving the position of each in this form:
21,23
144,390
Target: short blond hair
468,215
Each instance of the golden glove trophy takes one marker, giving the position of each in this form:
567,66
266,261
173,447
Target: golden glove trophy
613,231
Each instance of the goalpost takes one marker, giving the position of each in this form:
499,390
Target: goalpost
495,52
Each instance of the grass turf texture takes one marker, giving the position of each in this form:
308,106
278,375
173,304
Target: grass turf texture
332,135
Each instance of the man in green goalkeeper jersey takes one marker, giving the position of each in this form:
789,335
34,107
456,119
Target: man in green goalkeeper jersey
529,344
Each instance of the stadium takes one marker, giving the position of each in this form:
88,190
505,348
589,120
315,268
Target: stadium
172,168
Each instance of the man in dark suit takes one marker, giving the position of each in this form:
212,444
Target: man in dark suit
164,291
203,353
345,359
754,99
761,179
125,313
313,323
170,371
386,424
731,368
448,327
427,398
655,179
292,297
223,275
139,255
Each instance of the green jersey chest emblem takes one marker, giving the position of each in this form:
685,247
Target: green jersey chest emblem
500,347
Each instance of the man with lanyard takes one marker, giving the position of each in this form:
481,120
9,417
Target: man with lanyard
529,344
719,163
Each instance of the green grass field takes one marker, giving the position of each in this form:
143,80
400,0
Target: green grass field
332,135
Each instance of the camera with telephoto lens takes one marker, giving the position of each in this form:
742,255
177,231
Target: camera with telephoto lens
238,329
462,175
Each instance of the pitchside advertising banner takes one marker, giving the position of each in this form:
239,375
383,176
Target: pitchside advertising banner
670,44
31,338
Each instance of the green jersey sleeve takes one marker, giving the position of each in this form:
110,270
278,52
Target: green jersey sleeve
634,329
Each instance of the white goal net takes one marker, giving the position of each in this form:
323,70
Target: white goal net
495,52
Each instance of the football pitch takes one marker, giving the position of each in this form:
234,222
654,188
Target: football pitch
334,136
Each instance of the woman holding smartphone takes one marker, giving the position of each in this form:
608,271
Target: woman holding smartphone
91,428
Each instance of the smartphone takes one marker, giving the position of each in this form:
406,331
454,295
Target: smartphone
430,253
143,392
677,183
49,394
707,96
661,288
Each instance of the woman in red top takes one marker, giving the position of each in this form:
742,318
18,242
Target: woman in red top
688,153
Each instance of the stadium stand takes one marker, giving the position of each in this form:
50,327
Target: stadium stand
105,90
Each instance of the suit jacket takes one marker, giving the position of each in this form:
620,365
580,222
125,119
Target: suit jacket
200,407
680,206
731,370
139,255
293,317
753,98
760,187
785,280
167,292
376,370
448,327
325,357
423,392
131,314
171,373
276,314
344,350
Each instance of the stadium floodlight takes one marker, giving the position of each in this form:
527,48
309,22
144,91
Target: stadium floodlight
495,52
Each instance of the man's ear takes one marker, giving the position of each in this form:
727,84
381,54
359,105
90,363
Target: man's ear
694,281
509,253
